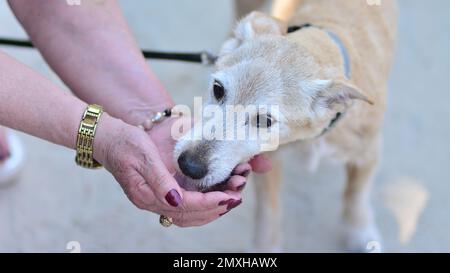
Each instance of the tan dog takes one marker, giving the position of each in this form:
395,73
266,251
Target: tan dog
329,80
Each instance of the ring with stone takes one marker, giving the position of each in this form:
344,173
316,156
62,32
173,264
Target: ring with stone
165,221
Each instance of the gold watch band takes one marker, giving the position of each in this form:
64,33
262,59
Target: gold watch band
85,138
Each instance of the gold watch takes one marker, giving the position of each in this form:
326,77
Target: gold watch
85,138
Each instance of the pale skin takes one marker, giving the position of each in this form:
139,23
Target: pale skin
91,48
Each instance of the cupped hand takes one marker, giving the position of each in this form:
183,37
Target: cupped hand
134,160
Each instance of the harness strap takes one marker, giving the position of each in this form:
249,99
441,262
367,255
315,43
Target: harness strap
347,69
344,52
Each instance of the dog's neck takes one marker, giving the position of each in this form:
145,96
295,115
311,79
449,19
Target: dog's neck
344,52
323,47
345,59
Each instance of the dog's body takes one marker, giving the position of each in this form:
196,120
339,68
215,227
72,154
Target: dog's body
312,76
368,33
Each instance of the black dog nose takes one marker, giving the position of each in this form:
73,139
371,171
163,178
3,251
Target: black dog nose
192,165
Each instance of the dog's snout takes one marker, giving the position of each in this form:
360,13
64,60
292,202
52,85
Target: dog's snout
193,166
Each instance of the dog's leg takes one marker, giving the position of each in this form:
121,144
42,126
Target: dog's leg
284,9
244,7
360,232
268,211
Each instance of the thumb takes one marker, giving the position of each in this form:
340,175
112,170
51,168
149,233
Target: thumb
261,164
163,184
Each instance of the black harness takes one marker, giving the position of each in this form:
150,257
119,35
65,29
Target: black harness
295,28
339,115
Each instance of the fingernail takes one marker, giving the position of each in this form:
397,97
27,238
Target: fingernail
233,203
241,169
241,187
225,202
173,198
4,156
245,174
222,214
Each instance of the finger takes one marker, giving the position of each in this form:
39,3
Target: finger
196,201
4,149
165,187
205,218
243,169
140,193
197,218
261,164
235,195
235,183
200,218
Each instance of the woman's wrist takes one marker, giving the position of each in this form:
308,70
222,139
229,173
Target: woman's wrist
134,99
137,114
107,128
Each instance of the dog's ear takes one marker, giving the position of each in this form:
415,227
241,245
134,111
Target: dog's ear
332,95
251,26
229,46
258,23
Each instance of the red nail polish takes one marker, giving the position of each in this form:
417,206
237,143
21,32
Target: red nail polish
173,198
241,187
234,203
225,202
246,173
222,214
4,156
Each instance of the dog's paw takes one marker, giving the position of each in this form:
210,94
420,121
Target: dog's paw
362,240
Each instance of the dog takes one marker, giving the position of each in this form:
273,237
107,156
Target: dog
325,64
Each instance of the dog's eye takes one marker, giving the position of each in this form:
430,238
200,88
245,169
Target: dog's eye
219,91
264,121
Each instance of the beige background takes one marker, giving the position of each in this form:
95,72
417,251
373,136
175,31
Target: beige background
55,202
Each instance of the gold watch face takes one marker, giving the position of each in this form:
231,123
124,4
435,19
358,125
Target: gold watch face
85,140
95,109
90,120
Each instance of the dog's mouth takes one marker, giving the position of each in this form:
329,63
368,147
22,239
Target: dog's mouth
221,186
190,184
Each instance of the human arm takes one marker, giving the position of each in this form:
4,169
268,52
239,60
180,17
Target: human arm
94,52
34,105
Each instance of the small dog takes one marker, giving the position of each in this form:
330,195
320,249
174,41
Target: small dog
328,76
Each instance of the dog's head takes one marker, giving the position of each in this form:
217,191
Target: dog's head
278,82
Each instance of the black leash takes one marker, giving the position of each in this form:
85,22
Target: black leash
203,57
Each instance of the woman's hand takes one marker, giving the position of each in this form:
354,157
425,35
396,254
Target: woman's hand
132,157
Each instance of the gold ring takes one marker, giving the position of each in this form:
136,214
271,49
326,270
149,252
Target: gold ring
165,221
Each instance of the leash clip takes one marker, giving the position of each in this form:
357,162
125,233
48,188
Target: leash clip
208,58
